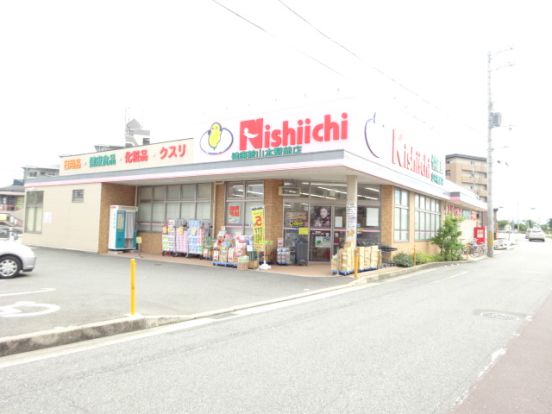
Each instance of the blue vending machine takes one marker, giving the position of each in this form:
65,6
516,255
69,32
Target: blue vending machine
122,227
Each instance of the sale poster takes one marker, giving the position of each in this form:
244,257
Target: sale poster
258,225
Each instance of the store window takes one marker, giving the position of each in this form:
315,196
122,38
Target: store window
157,204
315,212
296,215
428,217
328,191
334,192
241,198
368,193
77,196
401,215
33,211
321,217
235,191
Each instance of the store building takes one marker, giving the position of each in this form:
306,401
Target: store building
327,176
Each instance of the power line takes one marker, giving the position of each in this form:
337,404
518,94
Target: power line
319,31
228,9
375,68
258,27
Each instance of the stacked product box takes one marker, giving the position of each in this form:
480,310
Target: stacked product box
196,236
283,256
253,259
168,237
368,258
232,260
243,262
334,264
181,240
374,257
345,260
362,262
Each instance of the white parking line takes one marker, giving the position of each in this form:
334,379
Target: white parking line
43,290
448,278
20,309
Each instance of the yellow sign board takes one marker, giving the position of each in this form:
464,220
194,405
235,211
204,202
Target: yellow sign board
258,224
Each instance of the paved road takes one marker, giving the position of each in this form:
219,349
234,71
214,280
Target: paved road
418,344
82,288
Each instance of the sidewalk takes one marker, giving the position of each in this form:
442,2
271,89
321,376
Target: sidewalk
520,380
314,269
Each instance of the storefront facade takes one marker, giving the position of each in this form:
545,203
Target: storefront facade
324,178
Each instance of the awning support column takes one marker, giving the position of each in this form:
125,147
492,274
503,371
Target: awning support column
351,218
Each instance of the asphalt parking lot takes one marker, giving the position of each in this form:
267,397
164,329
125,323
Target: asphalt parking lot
69,288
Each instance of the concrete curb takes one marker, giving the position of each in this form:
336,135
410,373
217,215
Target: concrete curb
62,336
376,277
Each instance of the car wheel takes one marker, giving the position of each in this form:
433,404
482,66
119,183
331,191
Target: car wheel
9,266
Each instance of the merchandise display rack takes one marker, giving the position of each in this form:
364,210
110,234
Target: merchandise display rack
177,240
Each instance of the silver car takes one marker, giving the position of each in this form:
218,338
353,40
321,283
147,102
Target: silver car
536,234
14,258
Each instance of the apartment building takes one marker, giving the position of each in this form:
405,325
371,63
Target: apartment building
469,172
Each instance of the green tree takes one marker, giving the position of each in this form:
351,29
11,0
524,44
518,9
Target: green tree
502,224
447,238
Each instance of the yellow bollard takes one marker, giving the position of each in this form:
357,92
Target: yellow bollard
132,286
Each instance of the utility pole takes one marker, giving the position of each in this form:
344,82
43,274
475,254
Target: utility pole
493,120
490,122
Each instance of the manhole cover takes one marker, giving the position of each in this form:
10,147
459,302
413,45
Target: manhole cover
498,315
503,316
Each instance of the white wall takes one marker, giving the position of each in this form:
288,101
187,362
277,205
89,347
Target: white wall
466,227
65,224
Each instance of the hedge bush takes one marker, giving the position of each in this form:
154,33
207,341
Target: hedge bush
403,260
423,258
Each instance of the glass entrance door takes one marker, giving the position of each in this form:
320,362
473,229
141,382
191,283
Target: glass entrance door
320,245
320,240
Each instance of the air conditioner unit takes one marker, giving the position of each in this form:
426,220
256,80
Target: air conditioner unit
289,191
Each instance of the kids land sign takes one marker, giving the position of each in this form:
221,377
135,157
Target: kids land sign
419,162
386,143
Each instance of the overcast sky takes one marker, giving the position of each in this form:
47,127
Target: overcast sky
71,71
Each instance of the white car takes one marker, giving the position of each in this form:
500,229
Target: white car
14,258
502,244
536,234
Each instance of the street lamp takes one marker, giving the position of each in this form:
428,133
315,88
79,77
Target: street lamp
493,121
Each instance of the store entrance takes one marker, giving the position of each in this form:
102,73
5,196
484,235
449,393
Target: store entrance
315,225
320,245
320,240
